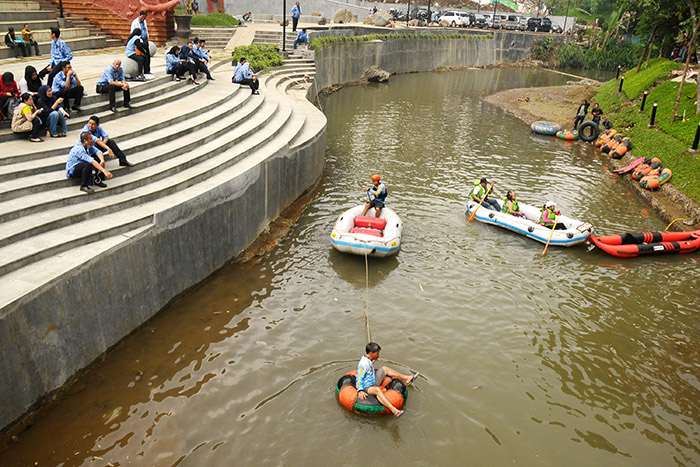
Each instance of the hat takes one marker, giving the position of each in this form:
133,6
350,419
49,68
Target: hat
550,204
483,180
376,178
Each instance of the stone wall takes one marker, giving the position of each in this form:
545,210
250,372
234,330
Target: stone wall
48,336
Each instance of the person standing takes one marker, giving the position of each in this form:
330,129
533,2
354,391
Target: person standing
597,113
83,163
67,85
60,52
111,81
244,75
479,193
296,13
104,142
28,37
368,378
140,23
581,113
377,196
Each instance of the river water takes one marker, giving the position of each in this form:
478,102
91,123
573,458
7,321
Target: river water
574,357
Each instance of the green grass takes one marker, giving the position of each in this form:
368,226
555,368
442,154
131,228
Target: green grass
608,98
327,41
214,19
260,56
665,96
636,83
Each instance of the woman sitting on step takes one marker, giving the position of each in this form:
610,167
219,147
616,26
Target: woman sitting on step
25,118
138,52
189,59
52,111
177,66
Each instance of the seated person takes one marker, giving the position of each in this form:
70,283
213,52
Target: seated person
31,82
549,216
243,75
66,84
377,195
111,81
368,379
510,205
202,57
15,43
138,52
52,111
60,53
479,193
85,163
246,17
176,66
28,37
302,38
187,58
104,142
8,92
26,118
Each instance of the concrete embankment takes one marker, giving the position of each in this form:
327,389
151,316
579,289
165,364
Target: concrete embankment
62,325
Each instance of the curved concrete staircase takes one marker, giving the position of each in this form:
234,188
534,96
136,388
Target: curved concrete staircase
197,150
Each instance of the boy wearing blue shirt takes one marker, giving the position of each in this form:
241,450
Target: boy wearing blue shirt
369,379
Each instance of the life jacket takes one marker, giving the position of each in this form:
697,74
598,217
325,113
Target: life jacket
516,207
545,219
381,195
482,190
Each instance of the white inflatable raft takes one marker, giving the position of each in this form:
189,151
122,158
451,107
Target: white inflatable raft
576,231
367,235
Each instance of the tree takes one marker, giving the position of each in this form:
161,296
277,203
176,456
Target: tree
693,7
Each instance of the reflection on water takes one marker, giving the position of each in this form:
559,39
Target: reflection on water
573,357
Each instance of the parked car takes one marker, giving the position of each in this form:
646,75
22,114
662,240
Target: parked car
420,13
511,22
539,24
546,25
398,15
478,21
522,23
454,19
556,28
492,22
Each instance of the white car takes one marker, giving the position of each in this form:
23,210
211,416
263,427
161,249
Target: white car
454,19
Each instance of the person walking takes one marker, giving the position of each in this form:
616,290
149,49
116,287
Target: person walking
111,81
296,13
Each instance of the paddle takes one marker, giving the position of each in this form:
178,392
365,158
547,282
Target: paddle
473,214
550,235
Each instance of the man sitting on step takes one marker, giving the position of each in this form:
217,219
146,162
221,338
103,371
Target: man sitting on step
243,75
302,38
102,141
67,85
85,163
202,56
111,81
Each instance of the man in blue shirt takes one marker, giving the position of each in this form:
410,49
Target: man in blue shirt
83,164
104,142
140,23
66,84
202,57
296,13
368,379
243,75
302,38
111,81
60,52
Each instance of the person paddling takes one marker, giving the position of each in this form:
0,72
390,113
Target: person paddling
369,379
377,196
479,193
549,216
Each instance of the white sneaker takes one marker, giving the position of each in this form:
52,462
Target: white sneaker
149,76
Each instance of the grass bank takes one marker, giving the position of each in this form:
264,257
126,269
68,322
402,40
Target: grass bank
669,142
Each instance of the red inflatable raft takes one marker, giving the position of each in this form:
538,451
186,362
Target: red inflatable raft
630,245
394,389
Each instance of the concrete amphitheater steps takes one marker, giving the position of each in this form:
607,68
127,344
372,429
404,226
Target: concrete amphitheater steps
145,149
217,37
183,183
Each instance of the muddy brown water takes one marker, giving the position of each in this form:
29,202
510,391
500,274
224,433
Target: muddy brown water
574,357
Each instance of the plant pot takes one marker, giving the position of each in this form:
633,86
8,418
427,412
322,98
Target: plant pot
184,25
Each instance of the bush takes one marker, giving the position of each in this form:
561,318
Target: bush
214,19
542,48
571,56
260,56
623,53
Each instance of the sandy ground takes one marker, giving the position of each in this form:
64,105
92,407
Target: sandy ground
559,104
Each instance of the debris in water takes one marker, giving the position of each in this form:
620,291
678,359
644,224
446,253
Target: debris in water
421,287
335,299
261,342
478,387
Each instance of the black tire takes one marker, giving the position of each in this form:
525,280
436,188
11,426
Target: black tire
453,24
588,131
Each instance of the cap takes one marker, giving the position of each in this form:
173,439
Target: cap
550,204
483,180
376,177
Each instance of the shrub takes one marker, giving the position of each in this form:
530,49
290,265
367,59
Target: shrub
571,56
214,19
260,56
542,48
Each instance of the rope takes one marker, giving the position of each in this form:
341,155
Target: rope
369,335
674,220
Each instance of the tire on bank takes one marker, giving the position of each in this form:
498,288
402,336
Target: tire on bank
588,131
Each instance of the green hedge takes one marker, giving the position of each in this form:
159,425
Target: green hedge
260,56
214,19
326,41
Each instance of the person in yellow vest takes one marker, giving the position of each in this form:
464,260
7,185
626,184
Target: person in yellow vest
479,193
549,216
510,205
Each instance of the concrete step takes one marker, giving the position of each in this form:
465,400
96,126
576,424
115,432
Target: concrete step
82,43
22,15
18,6
18,24
213,160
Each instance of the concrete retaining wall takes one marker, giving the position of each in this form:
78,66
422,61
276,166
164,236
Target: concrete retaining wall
49,336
